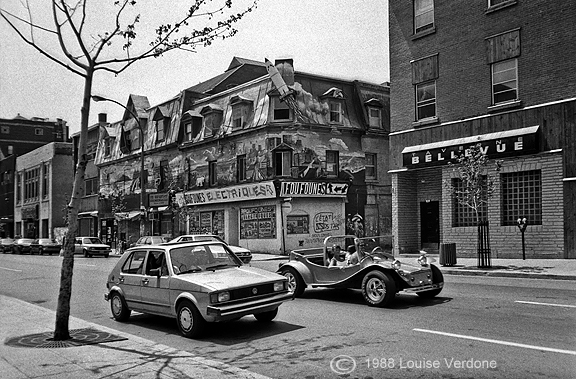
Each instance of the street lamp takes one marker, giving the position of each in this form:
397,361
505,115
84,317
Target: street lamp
97,98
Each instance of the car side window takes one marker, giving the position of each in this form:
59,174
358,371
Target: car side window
134,263
156,259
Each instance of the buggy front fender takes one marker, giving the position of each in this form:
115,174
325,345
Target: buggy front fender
301,268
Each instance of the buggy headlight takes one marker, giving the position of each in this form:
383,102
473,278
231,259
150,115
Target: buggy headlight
278,286
423,260
396,264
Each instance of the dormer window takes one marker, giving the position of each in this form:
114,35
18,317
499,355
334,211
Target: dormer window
161,121
241,108
281,110
212,119
192,122
374,111
107,146
335,98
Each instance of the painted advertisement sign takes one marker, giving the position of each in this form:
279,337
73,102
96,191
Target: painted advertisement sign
310,189
253,191
258,222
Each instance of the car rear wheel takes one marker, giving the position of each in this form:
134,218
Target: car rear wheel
378,289
296,284
41,251
437,278
118,306
190,321
266,316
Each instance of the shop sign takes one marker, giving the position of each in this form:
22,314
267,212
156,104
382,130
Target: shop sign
494,145
254,191
311,189
258,222
158,199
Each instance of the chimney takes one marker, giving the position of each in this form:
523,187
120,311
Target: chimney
286,68
102,118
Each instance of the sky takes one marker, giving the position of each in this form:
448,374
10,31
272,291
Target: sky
346,39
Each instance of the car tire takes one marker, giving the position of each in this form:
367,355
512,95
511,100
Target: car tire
378,289
40,251
85,254
266,316
296,284
120,310
105,255
437,277
189,320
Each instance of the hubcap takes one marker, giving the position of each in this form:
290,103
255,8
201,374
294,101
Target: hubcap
116,305
291,282
186,319
375,289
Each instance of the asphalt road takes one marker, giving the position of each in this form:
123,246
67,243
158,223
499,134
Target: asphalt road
476,328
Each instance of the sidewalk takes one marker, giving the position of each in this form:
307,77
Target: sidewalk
560,269
26,351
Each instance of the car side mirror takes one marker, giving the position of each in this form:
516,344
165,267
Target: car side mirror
155,272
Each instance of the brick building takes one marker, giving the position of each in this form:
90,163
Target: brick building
43,187
19,136
498,73
267,168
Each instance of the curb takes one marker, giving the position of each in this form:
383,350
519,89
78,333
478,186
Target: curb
506,274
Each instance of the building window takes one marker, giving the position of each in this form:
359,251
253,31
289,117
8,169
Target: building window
212,174
241,107
374,117
298,224
31,184
5,130
332,163
241,168
192,128
160,133
281,110
90,186
39,132
425,100
107,147
10,149
370,166
335,112
212,123
522,197
18,188
135,139
504,81
283,162
423,15
463,215
163,175
45,181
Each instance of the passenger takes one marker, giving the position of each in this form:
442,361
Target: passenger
352,255
339,258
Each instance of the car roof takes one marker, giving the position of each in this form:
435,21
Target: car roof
169,245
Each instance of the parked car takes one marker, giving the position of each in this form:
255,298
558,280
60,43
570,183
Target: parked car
89,246
22,245
244,254
376,272
45,245
150,240
194,282
7,245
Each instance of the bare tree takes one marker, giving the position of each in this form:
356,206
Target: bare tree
113,50
475,186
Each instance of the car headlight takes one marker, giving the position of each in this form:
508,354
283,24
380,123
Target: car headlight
423,260
278,286
396,264
220,297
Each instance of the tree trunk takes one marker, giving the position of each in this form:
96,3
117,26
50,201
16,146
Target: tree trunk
61,331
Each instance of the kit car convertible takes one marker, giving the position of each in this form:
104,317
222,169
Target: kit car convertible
376,272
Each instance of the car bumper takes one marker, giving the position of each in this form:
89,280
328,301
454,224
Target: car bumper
424,288
99,252
223,312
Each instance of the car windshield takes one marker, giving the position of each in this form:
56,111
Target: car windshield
91,240
203,257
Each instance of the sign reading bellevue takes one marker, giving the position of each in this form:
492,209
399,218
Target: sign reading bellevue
255,191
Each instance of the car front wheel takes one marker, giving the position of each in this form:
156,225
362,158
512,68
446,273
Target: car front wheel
437,278
190,321
296,284
266,316
118,306
378,289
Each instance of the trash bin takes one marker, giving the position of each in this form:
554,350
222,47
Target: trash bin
447,254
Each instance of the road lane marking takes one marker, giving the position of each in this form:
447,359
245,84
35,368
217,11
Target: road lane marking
507,343
549,304
10,269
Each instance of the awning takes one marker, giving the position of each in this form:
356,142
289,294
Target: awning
120,216
88,214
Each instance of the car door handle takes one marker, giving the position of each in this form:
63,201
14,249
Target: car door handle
121,279
145,281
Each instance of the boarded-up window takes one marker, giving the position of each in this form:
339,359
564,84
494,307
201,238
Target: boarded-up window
425,69
503,46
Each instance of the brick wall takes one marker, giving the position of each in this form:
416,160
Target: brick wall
542,241
405,216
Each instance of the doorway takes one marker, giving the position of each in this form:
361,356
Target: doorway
430,225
